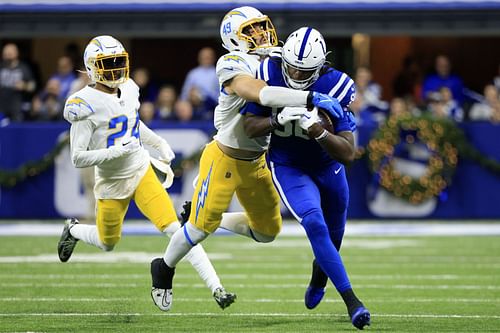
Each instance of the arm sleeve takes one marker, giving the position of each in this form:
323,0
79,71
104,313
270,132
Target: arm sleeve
150,138
80,134
280,97
154,140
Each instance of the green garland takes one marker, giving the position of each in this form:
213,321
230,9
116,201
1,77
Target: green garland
32,168
442,136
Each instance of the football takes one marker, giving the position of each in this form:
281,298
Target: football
326,121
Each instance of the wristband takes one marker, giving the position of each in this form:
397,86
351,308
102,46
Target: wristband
322,136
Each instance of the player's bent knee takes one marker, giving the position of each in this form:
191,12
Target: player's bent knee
314,223
193,234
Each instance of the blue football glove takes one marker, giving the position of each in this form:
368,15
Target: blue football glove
324,101
351,119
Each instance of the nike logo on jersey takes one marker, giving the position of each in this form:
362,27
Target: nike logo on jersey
338,170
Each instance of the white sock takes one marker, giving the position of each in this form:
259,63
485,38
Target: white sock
87,234
197,257
237,223
199,260
177,248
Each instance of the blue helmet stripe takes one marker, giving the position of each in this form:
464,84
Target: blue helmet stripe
304,41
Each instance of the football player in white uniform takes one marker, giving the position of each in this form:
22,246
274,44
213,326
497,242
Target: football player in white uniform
106,132
233,162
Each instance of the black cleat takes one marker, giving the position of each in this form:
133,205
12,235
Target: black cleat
161,291
67,242
316,289
186,211
223,298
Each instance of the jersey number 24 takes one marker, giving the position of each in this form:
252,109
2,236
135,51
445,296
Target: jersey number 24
122,123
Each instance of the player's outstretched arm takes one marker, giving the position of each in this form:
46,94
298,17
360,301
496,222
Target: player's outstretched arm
255,90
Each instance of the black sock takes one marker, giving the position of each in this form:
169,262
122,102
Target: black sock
318,277
161,274
351,301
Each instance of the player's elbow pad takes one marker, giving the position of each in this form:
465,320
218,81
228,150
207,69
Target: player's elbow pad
281,97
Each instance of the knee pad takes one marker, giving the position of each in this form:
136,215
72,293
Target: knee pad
314,223
193,235
261,238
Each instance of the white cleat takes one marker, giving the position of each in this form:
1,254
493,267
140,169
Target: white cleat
162,298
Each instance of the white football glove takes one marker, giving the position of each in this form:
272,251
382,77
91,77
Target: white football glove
290,113
309,118
166,152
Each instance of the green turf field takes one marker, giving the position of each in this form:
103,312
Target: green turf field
410,284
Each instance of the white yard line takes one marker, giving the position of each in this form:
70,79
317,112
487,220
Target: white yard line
258,300
254,314
357,228
390,277
244,285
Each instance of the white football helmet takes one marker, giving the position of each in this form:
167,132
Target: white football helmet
106,61
247,30
303,54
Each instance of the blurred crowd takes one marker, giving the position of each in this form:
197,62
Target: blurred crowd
441,92
22,98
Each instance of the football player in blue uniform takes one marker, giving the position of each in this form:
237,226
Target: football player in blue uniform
233,163
307,161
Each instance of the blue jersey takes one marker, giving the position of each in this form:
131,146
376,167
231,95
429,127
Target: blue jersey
290,144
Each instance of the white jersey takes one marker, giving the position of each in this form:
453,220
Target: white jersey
99,121
227,118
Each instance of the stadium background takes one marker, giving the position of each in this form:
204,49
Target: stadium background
165,36
415,276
